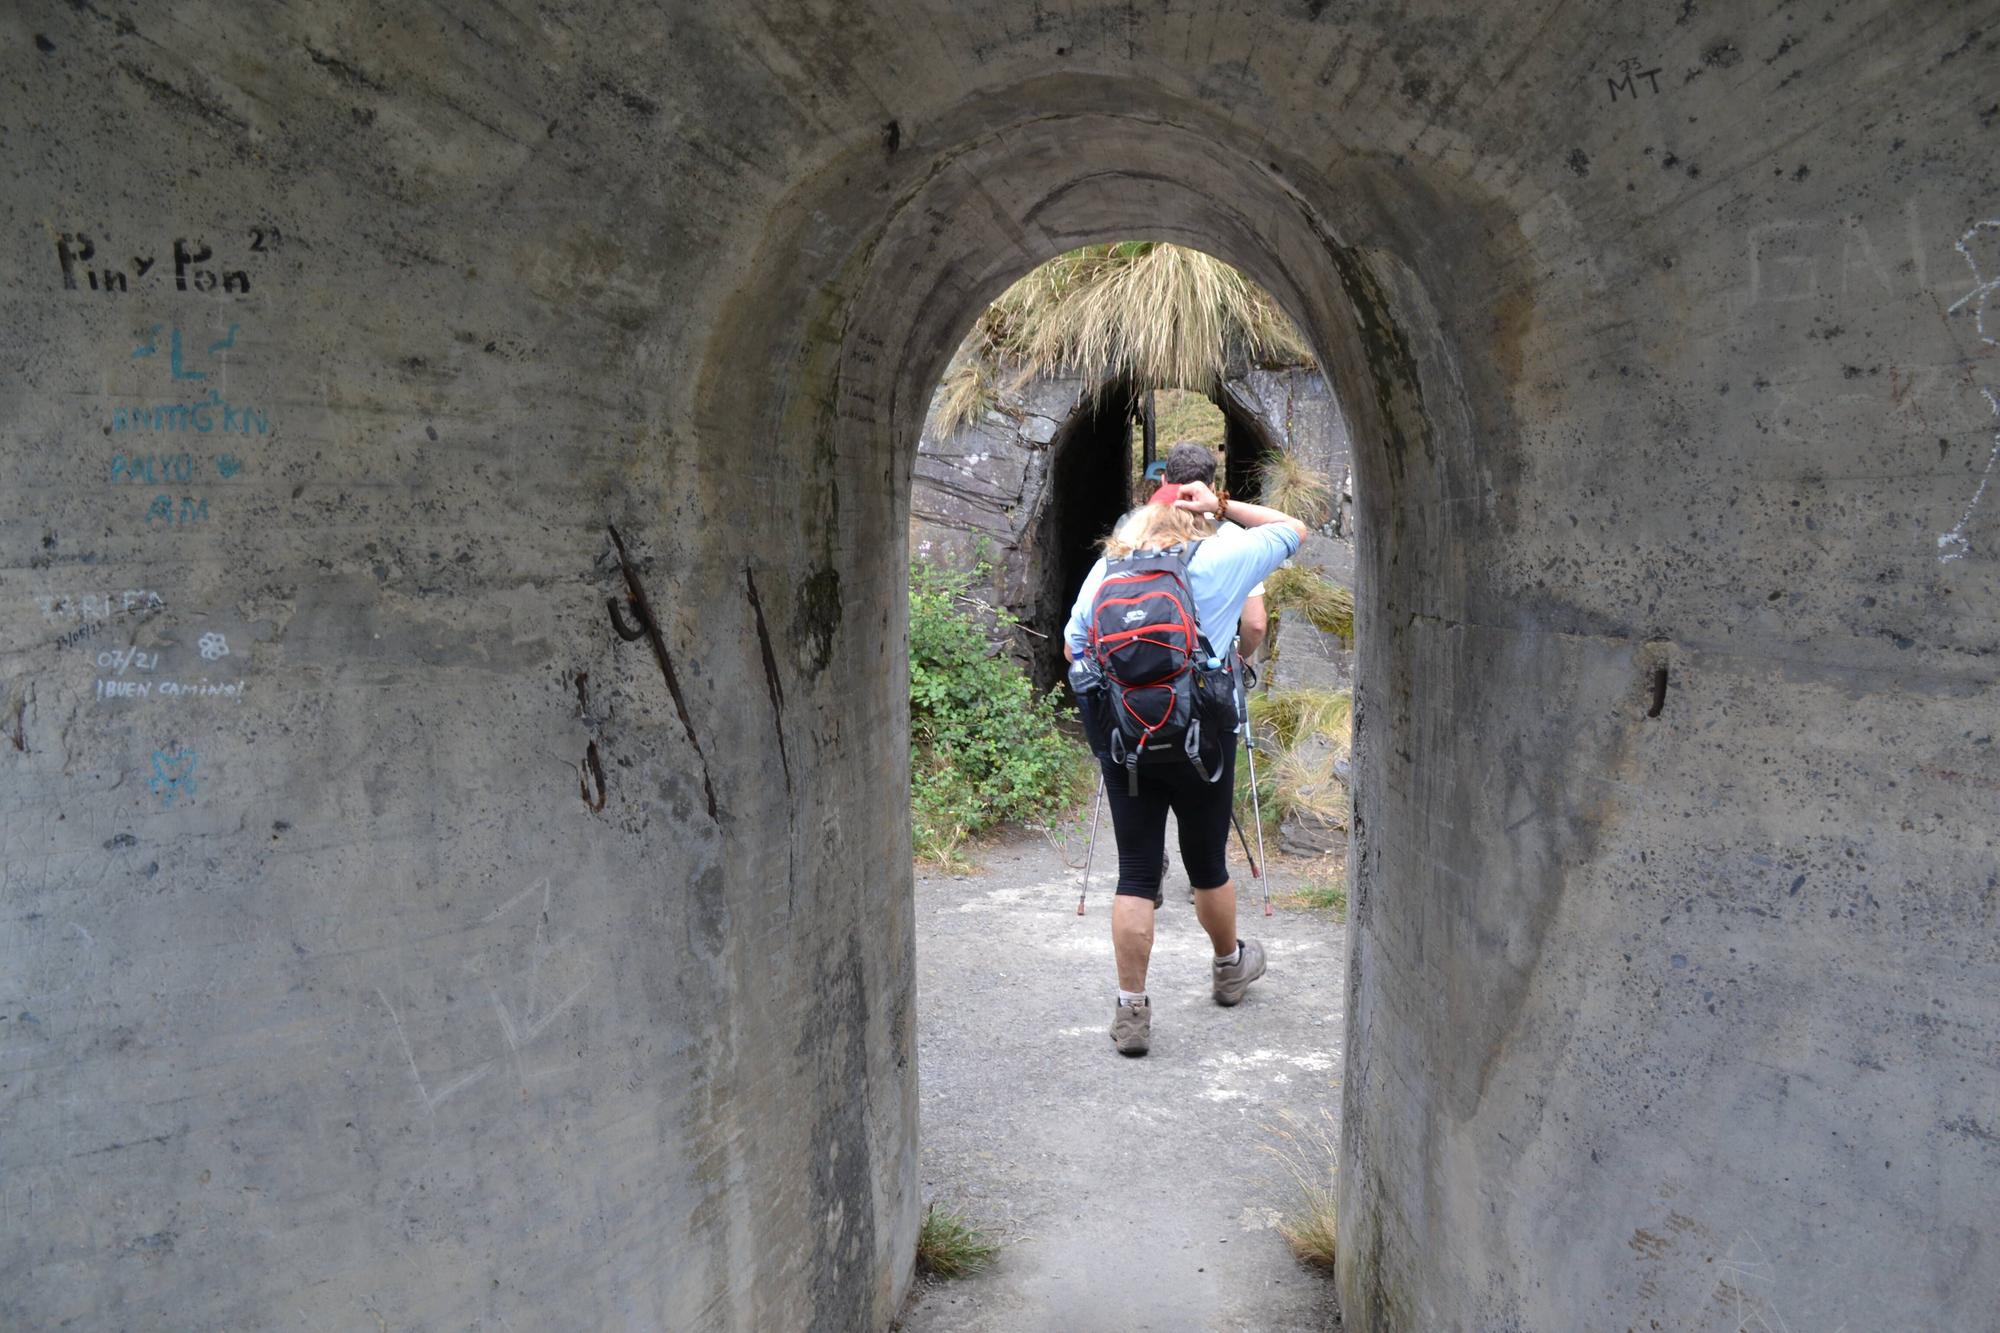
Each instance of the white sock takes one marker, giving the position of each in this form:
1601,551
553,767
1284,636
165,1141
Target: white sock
1129,996
1232,957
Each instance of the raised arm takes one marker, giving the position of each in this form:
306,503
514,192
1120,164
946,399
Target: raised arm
1196,497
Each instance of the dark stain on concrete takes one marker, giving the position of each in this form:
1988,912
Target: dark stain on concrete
1392,366
817,610
774,684
345,71
173,99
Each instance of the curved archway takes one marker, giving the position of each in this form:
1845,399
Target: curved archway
1063,163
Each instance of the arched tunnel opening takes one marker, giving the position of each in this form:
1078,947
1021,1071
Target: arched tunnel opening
1246,446
1090,486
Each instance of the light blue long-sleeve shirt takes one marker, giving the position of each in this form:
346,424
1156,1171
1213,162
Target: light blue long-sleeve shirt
1224,571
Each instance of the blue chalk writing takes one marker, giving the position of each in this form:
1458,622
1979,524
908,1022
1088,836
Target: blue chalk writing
163,512
174,356
203,416
228,465
147,348
173,774
226,342
152,469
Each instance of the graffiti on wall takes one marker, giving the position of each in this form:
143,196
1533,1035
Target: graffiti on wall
208,411
193,265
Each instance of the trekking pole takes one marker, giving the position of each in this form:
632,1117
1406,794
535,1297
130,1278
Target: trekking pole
1091,850
1256,803
1255,873
1257,815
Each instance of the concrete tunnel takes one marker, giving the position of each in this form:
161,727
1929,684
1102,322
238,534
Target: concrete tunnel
389,942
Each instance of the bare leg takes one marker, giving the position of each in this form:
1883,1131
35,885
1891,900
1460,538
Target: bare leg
1216,910
1132,937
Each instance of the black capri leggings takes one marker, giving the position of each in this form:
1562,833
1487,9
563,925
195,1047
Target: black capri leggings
1140,822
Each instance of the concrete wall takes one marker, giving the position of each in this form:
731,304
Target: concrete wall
338,1000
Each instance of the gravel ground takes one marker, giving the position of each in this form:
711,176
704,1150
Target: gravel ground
1132,1193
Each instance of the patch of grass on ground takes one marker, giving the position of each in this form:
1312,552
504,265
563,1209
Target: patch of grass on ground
1316,896
1308,1149
949,1245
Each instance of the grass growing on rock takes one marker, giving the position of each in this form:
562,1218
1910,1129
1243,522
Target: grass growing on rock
1154,313
1286,483
966,393
1301,735
1324,603
1291,715
950,1246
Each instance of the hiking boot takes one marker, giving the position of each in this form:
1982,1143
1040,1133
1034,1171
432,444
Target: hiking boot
1232,979
1132,1027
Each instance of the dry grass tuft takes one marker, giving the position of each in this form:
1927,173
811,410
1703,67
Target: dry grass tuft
950,1246
1309,1150
1303,782
1301,735
1291,715
1319,599
1287,484
965,394
1144,311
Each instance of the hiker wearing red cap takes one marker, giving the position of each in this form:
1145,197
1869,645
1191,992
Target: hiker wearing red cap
1222,565
1188,461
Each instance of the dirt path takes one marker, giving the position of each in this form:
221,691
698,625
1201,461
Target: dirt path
1135,1194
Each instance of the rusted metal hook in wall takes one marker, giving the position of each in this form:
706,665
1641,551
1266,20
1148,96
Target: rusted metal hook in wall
618,625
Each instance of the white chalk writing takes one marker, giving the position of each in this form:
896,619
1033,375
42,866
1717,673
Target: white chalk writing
169,689
1953,545
96,606
119,660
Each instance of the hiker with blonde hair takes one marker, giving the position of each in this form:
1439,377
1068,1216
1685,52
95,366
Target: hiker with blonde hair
1219,566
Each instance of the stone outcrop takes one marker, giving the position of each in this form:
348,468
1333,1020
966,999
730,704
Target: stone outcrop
983,496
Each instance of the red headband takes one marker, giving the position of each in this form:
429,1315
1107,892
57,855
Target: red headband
1166,495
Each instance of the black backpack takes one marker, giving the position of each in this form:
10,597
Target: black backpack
1145,665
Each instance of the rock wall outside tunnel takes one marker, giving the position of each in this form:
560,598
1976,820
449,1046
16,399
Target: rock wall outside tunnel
361,990
1020,498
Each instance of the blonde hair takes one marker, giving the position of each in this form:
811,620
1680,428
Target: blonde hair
1155,528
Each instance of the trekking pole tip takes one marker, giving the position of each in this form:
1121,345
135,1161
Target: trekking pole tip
1079,907
1267,908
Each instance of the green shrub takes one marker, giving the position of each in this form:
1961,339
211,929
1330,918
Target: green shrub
983,749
